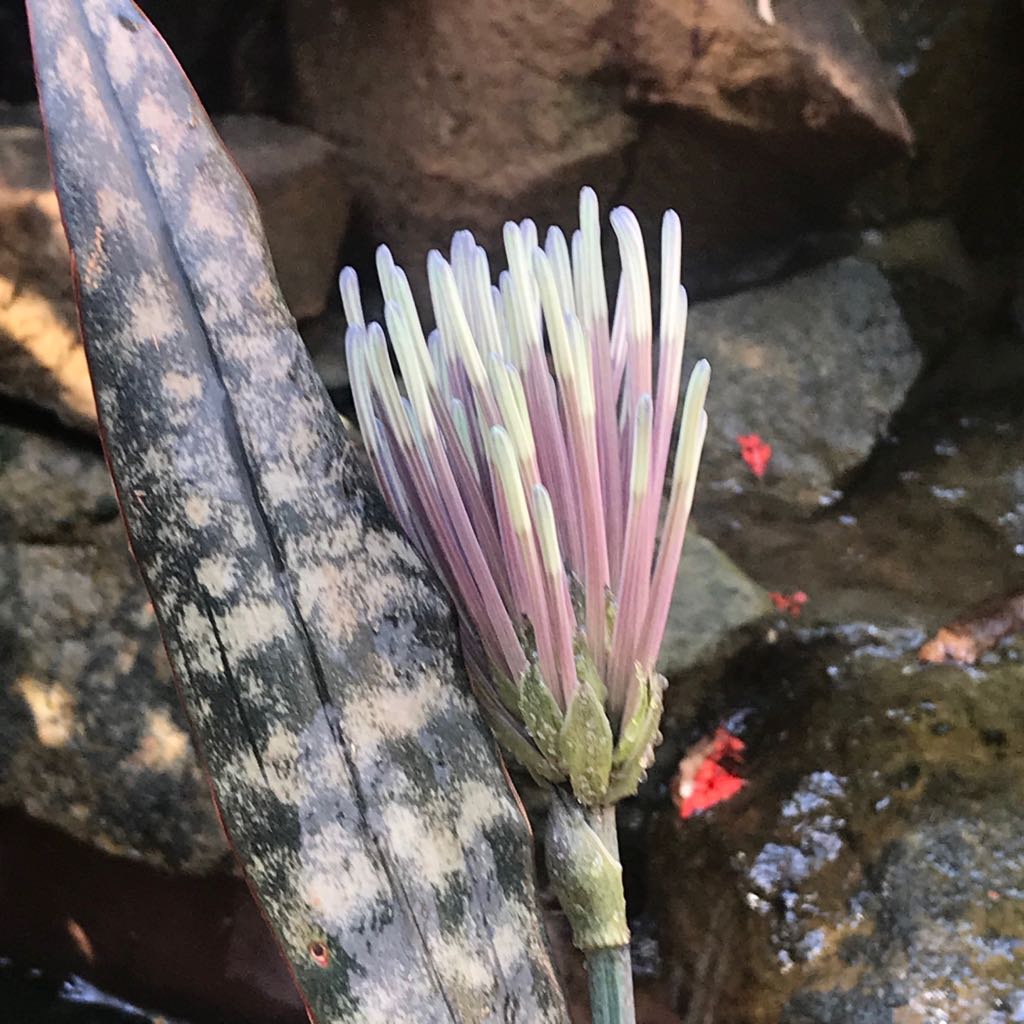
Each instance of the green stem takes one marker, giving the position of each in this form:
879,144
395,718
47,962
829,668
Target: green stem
611,986
610,971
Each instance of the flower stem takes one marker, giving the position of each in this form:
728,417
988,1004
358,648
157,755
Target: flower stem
611,986
610,971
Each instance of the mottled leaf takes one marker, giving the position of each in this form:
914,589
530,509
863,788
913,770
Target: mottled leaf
314,652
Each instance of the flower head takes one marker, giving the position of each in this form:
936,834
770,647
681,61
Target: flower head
526,459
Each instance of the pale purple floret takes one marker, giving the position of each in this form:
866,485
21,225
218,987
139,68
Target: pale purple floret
527,452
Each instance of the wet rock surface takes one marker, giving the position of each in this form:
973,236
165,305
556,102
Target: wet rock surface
92,738
870,869
872,863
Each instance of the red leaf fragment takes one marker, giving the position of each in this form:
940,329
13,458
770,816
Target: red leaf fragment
702,781
755,453
791,604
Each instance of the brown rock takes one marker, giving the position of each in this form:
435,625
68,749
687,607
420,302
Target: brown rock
458,113
754,126
792,69
467,114
41,356
303,198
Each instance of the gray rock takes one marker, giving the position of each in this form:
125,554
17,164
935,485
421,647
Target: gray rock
815,365
714,602
92,736
51,491
948,928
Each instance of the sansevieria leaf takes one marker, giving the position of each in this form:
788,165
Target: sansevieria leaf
314,652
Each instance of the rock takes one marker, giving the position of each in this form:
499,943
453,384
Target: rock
41,357
948,924
713,604
815,365
870,869
51,491
956,69
461,114
798,69
92,737
465,115
325,338
303,199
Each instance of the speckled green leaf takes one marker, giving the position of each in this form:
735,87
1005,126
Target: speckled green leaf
314,652
586,672
634,753
636,718
541,714
585,746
